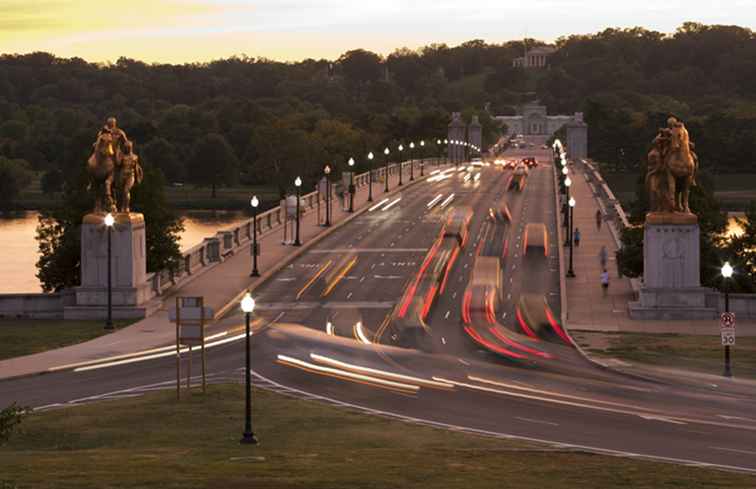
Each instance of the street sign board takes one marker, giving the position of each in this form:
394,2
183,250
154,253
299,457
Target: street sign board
728,336
727,320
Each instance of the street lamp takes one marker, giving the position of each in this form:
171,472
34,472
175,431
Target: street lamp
248,438
370,176
254,202
571,272
109,222
412,162
567,185
401,148
297,184
386,152
422,159
446,143
327,171
351,184
440,152
727,272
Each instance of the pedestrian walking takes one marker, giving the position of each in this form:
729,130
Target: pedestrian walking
599,219
604,282
577,237
603,257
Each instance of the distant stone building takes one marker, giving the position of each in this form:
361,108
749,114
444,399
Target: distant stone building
537,57
456,132
533,120
577,137
475,133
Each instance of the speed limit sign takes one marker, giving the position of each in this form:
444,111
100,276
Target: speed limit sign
728,336
727,325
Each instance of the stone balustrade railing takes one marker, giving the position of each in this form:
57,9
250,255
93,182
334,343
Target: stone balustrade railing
230,241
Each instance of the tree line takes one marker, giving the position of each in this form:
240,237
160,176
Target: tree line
252,121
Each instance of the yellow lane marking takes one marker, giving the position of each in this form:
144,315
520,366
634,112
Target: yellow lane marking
339,277
314,278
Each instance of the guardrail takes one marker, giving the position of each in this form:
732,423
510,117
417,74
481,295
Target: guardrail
229,241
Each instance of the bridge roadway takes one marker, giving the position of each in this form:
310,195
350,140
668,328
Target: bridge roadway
356,275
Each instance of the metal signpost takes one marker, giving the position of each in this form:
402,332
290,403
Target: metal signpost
727,330
190,316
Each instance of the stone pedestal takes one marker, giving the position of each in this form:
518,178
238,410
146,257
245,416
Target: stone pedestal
130,291
671,271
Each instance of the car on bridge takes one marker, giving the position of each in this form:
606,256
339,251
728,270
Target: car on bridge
530,162
519,175
535,238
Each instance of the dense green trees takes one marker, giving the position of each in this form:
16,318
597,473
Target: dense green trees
15,174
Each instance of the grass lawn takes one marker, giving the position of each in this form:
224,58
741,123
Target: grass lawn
26,336
157,442
693,352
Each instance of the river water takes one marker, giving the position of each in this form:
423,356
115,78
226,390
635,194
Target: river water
18,253
18,250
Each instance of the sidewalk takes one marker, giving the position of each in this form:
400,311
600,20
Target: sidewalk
587,308
220,286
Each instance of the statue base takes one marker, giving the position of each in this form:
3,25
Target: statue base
671,270
128,264
671,218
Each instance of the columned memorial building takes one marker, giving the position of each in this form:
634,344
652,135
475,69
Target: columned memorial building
533,121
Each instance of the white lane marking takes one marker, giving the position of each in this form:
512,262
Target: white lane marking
738,418
379,204
454,295
446,316
349,295
387,277
598,450
748,452
536,421
389,206
463,362
362,279
660,418
504,316
434,201
443,340
290,279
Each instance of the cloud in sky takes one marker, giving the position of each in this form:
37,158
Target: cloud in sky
199,30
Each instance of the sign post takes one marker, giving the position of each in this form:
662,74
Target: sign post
727,331
190,316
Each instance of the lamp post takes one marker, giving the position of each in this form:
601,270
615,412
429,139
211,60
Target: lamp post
109,222
327,171
571,272
446,143
412,162
727,271
440,152
370,176
401,148
248,438
254,202
567,185
422,158
297,184
386,152
351,184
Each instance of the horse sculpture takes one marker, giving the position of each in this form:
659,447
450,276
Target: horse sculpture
672,167
100,167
